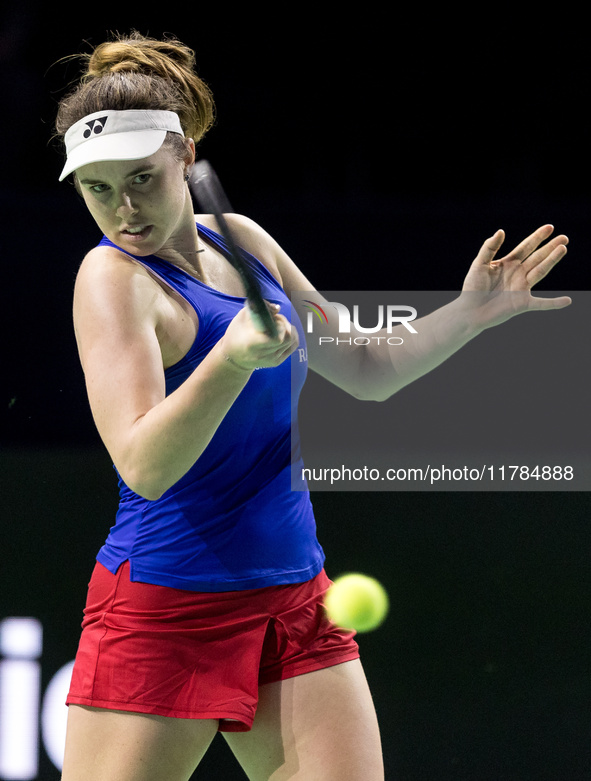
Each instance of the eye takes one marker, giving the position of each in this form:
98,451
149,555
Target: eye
98,188
142,179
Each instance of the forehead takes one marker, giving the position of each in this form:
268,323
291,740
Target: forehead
116,170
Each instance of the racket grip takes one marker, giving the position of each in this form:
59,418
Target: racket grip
257,320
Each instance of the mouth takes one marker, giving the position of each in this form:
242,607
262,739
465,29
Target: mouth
136,232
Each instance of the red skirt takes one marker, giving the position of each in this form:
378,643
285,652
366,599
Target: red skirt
185,654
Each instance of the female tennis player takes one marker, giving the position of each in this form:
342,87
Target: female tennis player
204,610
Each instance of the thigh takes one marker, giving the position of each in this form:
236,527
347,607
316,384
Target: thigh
320,726
124,746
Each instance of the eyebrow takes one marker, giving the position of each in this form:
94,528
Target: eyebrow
140,170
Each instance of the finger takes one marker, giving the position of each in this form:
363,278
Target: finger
541,267
490,248
531,243
288,335
285,335
275,353
544,304
558,244
288,349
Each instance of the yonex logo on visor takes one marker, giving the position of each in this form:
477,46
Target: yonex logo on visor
117,135
95,126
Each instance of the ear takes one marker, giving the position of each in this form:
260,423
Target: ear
190,154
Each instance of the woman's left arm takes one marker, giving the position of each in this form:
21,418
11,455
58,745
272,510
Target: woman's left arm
494,290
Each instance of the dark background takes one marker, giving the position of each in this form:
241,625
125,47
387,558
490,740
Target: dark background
380,147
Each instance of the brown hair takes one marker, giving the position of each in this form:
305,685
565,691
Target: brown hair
137,72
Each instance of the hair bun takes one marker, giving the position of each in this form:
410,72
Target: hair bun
136,53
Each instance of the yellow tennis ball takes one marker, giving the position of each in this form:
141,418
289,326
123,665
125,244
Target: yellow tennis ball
356,601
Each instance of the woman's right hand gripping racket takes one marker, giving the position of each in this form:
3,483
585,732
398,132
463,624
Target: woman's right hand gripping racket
208,192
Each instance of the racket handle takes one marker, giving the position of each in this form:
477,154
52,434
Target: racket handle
257,319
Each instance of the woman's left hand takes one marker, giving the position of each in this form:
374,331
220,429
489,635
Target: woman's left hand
497,289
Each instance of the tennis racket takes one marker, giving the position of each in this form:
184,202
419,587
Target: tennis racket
207,190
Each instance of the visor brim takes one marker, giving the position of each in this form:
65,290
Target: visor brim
133,145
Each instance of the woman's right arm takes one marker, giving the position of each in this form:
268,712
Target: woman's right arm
152,438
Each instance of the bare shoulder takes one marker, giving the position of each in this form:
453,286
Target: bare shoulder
111,290
107,266
108,271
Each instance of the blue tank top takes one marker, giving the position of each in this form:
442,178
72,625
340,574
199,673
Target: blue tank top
232,522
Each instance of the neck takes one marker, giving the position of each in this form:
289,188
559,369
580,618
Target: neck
185,247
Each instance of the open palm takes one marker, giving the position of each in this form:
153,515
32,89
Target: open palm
497,289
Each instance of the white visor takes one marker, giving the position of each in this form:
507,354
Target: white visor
117,135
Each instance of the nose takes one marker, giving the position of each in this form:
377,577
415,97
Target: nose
126,209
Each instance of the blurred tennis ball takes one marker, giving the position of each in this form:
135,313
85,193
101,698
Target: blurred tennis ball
357,601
